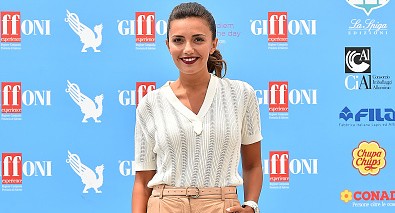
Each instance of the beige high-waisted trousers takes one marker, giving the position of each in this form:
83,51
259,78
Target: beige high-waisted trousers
167,199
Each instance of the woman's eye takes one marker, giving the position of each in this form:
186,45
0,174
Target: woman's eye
177,40
198,39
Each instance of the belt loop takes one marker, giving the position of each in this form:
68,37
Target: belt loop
161,188
222,193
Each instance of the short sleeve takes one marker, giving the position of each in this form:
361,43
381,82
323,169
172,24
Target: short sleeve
251,126
145,158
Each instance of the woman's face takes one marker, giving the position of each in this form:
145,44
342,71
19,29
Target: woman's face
190,43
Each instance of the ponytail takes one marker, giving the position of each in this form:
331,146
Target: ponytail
215,64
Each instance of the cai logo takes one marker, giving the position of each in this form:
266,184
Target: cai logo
368,114
87,175
368,5
357,60
89,38
89,108
369,158
133,97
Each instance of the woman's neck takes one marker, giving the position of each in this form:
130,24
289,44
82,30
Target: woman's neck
193,82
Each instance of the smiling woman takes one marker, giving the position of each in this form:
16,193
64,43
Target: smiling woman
191,133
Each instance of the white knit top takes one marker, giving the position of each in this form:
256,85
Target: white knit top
200,150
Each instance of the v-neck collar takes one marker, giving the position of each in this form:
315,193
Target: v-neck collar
196,119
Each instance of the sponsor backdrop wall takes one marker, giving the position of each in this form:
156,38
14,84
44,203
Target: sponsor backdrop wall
72,74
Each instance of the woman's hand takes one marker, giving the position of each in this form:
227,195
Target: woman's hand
239,209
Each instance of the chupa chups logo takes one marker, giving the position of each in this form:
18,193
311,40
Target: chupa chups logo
87,36
370,114
88,107
368,5
369,158
88,176
133,97
357,60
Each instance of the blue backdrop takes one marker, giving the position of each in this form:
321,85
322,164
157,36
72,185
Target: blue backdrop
321,71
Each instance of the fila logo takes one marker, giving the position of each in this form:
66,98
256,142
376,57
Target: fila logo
133,97
12,27
13,97
278,99
279,166
277,26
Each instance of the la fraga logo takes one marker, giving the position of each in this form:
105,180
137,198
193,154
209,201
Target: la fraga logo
133,97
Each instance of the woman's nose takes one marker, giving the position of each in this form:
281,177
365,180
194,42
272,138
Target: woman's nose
188,48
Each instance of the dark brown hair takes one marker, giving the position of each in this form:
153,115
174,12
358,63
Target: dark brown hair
215,63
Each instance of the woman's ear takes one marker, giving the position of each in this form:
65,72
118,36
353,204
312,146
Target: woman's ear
167,44
214,45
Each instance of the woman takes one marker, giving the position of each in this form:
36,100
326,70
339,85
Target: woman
190,133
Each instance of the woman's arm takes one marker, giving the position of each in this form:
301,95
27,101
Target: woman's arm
141,192
252,170
252,175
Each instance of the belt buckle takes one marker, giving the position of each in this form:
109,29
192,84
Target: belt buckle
193,196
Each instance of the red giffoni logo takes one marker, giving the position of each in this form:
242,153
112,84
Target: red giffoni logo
278,27
142,88
10,26
11,172
279,166
11,101
145,27
278,96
